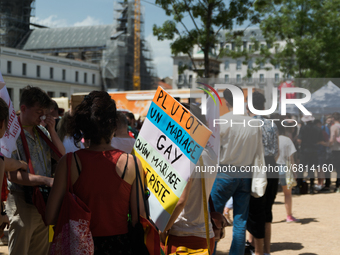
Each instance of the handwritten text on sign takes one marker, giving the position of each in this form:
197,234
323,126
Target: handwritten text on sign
169,145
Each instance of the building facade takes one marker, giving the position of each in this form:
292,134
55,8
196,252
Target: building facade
231,71
72,59
109,46
59,77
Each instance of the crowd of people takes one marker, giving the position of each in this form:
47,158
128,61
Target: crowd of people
103,174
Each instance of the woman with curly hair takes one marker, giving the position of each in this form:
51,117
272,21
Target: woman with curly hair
68,141
102,177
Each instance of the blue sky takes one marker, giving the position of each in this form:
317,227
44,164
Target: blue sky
65,13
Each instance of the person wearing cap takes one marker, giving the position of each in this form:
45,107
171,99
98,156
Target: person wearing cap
309,137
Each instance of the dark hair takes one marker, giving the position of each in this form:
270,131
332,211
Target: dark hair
94,118
4,115
278,123
121,120
196,111
317,121
130,115
258,100
54,105
336,116
61,111
33,95
228,96
287,126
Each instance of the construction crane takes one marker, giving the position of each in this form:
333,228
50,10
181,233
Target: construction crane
136,63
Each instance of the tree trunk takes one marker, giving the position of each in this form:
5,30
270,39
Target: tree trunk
206,62
207,44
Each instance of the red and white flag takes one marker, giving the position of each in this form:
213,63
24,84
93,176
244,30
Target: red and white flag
288,84
8,141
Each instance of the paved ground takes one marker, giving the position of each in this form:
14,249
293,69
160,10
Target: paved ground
318,233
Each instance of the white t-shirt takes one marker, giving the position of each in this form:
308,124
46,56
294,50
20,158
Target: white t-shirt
239,141
69,144
190,222
123,144
286,149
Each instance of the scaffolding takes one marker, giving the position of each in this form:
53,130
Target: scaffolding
109,46
15,21
118,58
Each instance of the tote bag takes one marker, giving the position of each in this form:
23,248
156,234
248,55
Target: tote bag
72,233
144,234
259,180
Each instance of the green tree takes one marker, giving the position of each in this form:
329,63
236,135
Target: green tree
254,57
311,32
208,18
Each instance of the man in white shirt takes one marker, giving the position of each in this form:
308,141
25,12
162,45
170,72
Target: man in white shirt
240,144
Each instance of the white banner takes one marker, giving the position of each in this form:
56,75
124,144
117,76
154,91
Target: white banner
8,141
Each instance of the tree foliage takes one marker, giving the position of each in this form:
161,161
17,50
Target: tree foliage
208,18
311,32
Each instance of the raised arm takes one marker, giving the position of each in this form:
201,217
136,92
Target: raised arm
22,177
27,179
12,164
179,206
54,136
